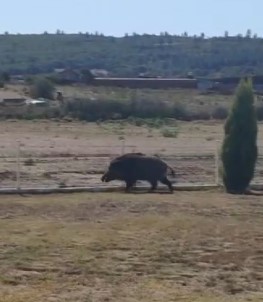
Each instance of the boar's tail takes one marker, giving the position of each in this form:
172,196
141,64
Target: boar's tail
172,171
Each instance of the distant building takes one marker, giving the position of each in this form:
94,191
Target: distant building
9,98
17,79
101,73
228,85
67,75
154,83
58,70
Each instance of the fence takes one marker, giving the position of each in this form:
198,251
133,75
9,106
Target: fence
26,168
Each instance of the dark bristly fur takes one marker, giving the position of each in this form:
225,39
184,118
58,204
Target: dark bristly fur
131,167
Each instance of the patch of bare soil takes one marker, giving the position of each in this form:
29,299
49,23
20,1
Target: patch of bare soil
56,153
76,154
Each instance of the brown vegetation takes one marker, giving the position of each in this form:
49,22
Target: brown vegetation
204,246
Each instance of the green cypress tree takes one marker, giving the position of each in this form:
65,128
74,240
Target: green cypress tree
239,149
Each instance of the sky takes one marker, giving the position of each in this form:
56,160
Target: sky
117,17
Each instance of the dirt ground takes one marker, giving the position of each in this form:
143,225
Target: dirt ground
55,153
189,246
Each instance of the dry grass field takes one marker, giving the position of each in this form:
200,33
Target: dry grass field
189,246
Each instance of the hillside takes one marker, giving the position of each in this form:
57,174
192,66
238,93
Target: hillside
163,55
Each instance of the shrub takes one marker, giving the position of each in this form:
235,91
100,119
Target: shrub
220,113
200,115
179,112
154,111
42,88
29,162
149,122
239,149
5,77
169,132
93,110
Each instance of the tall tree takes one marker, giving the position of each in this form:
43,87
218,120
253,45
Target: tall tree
239,149
248,33
5,76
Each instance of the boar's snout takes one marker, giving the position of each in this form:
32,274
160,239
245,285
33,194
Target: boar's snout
106,177
103,177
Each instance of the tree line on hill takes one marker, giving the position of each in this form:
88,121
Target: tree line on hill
157,55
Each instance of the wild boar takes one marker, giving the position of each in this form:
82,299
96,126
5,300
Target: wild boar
138,166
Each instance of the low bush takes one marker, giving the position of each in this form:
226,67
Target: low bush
169,132
29,162
220,113
94,110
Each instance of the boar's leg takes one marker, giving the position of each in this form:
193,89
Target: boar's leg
129,184
153,185
167,182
